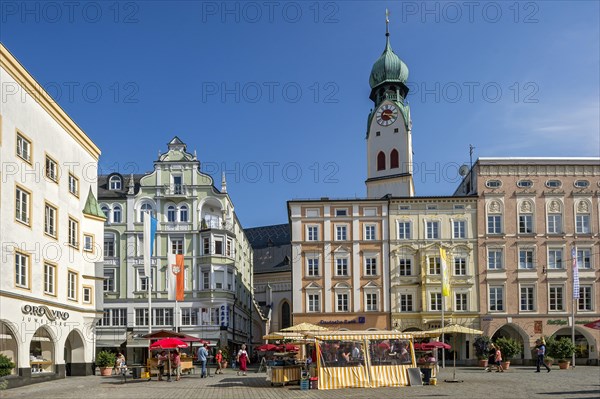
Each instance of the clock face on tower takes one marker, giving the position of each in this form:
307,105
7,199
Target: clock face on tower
386,114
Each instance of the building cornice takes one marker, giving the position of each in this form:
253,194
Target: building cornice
37,92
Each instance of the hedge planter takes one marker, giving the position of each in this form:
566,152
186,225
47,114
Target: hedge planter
564,365
483,362
106,371
505,365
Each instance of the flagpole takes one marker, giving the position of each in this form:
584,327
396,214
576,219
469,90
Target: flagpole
575,297
443,340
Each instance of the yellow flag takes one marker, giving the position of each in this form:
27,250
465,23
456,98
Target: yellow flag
445,273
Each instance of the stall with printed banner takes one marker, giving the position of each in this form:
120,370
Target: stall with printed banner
363,359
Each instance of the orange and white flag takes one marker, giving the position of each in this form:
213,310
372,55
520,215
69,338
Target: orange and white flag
176,276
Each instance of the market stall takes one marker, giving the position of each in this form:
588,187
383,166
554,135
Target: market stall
364,359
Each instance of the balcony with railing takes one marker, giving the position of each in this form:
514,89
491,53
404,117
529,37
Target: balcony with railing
175,190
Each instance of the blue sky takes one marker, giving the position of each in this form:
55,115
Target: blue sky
276,93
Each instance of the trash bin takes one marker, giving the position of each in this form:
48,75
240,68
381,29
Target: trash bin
135,373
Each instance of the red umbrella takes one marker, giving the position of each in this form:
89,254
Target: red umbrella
266,347
168,343
288,348
594,324
435,345
384,345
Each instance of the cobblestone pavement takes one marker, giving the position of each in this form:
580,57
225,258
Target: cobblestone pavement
517,382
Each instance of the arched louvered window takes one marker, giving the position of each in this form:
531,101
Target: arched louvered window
381,161
394,161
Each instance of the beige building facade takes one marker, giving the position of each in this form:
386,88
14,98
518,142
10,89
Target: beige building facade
419,227
532,213
340,263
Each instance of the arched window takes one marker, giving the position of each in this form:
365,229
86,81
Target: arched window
183,213
285,315
381,161
106,211
115,182
394,161
143,209
117,214
171,215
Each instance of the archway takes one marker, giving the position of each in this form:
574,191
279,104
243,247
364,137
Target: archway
582,344
41,352
74,354
515,332
9,346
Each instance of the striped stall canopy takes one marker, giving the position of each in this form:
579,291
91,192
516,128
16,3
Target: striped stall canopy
389,376
343,377
360,335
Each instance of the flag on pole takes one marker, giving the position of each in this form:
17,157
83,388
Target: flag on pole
175,277
149,235
445,276
575,273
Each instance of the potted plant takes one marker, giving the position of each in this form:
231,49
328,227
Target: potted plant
225,353
6,365
509,348
482,349
563,350
106,361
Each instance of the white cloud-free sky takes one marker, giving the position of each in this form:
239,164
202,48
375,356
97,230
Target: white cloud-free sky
276,93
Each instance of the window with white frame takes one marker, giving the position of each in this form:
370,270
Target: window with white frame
459,229
171,214
434,265
435,301
73,233
23,148
88,242
109,246
205,280
219,279
106,211
314,302
406,303
460,301
22,205
556,298
342,302
527,296
312,266
145,208
525,223
183,213
189,317
584,258
432,228
496,298
582,223
49,279
117,214
371,302
555,223
494,224
87,295
341,232
21,270
405,267
218,243
51,169
114,317
177,184
341,265
585,301
370,266
50,213
206,245
526,258
460,266
109,280
177,246
163,316
115,183
312,233
229,247
73,185
403,230
142,282
341,212
72,285
495,259
141,317
370,232
555,258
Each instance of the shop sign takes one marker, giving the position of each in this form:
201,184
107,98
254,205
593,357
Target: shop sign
358,320
558,322
42,310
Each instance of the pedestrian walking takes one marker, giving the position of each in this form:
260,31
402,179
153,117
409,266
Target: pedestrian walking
541,352
491,358
242,359
160,364
176,362
203,357
219,360
498,359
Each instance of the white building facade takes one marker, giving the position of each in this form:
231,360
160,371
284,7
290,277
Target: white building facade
51,232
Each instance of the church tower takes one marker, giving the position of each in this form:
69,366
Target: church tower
389,142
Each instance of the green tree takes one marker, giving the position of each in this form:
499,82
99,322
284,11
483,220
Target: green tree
482,346
105,359
6,365
509,347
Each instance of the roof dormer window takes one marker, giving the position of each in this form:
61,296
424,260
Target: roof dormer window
115,183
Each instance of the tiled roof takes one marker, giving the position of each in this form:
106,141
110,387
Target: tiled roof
105,193
272,248
264,236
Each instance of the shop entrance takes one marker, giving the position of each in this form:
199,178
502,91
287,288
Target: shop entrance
41,352
74,354
8,344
